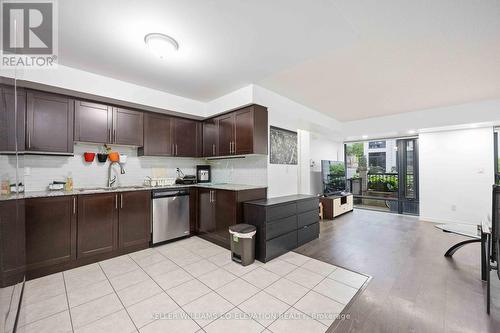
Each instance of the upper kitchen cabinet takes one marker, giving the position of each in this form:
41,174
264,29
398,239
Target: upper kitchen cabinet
128,127
93,122
49,126
243,131
8,122
157,136
210,137
187,137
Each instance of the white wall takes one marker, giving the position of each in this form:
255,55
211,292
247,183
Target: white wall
456,174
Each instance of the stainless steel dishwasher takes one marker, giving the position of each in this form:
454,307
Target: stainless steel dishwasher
170,214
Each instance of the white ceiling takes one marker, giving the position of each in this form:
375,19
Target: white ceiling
350,59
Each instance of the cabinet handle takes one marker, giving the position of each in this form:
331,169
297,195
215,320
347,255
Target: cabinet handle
213,192
121,200
29,139
74,205
213,149
109,134
114,136
176,149
116,201
210,196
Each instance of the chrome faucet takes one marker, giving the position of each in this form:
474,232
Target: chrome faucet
111,181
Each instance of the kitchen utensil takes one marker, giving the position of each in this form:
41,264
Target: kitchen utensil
89,157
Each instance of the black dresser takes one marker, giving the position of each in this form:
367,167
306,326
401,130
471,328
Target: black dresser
283,223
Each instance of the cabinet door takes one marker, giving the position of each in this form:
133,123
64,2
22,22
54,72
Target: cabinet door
186,137
127,127
97,224
225,214
8,127
210,138
206,212
50,231
226,134
134,219
93,122
157,135
12,242
49,123
244,127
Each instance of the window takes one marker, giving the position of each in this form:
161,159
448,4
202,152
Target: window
376,144
497,156
376,162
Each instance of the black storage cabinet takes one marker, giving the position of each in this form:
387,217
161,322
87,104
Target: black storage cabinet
283,223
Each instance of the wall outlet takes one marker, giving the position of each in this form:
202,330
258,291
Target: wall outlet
27,171
454,208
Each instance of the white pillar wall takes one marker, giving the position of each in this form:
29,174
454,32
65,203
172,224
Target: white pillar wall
304,158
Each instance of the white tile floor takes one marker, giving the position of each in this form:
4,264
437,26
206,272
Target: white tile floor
189,286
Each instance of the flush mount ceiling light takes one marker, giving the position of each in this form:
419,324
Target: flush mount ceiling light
161,45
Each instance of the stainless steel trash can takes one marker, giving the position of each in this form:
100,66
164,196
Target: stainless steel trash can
242,243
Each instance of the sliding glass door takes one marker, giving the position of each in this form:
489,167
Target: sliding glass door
383,174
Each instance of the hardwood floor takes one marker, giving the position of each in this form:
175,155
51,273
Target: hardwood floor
414,288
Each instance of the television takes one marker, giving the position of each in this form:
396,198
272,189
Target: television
333,177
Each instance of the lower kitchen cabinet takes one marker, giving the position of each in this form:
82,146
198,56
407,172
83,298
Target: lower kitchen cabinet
97,224
219,209
134,219
50,231
12,242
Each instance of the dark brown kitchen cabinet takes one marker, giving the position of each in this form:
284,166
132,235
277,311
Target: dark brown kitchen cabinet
186,137
157,135
50,231
219,209
93,122
243,131
226,134
97,224
49,126
128,127
210,138
134,219
12,242
10,124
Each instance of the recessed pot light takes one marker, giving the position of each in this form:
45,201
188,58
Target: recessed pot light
412,132
364,136
161,45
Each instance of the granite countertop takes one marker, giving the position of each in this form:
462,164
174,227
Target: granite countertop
125,188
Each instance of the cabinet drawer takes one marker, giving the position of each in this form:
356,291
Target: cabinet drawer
281,245
306,205
307,234
281,211
279,227
307,218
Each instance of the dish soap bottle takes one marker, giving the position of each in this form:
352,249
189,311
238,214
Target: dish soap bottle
68,187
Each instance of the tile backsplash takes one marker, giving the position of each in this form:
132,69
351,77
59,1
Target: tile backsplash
251,170
37,171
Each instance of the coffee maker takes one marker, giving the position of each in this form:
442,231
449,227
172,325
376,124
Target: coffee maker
203,174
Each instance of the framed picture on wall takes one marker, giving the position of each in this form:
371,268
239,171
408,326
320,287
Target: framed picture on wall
283,146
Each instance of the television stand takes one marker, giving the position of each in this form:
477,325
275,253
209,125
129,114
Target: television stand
336,205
